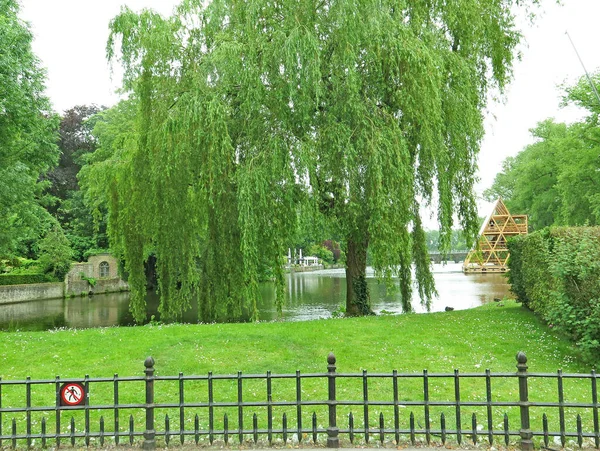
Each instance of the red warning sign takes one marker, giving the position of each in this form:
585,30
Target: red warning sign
72,394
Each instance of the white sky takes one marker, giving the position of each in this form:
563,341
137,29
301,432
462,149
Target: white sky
70,40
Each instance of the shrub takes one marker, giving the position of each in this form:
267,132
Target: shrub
556,273
23,279
322,252
92,281
95,251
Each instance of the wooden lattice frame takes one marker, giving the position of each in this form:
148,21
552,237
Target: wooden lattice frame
491,253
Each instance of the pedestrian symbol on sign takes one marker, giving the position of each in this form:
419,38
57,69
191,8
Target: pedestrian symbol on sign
72,394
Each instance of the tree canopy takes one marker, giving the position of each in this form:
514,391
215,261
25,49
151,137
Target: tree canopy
556,180
75,139
354,111
76,142
27,134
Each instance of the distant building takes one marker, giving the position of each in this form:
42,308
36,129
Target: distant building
100,274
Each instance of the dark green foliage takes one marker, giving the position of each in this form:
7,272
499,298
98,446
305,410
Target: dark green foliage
556,273
82,231
516,276
75,140
335,249
529,256
22,279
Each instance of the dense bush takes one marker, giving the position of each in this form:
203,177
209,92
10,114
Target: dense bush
322,252
556,273
22,279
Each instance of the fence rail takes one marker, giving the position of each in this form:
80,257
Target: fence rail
201,412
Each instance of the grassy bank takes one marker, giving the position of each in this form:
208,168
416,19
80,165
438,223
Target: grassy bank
484,337
470,340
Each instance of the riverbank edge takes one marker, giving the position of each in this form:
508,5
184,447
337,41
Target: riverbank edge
14,294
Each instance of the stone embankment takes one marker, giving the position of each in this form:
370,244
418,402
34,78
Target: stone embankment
98,275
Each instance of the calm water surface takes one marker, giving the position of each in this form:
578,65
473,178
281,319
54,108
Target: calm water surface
312,295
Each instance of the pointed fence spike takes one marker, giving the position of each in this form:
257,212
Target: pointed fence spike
101,430
443,427
579,431
131,429
545,429
167,430
412,428
72,431
255,428
14,433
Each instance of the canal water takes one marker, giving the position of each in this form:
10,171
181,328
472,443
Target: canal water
311,295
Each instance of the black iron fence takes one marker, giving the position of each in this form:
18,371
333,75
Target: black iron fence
320,407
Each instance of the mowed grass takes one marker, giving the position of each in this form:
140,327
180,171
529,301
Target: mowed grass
484,337
487,337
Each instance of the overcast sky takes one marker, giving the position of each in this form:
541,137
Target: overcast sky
70,40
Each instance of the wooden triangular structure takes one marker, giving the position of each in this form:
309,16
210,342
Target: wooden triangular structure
491,253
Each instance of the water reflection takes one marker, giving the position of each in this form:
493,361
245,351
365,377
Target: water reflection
317,294
98,311
310,295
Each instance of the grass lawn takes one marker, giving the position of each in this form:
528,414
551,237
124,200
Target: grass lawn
470,340
484,337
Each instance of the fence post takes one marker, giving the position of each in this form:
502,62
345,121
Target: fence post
149,433
333,440
525,432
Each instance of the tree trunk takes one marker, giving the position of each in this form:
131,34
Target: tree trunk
358,302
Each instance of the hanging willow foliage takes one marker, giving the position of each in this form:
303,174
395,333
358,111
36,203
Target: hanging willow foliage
359,109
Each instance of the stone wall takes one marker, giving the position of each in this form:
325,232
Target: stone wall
103,268
31,292
110,285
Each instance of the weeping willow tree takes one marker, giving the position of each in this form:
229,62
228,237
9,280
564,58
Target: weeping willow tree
358,110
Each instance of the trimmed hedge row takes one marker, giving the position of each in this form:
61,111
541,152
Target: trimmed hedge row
23,279
556,273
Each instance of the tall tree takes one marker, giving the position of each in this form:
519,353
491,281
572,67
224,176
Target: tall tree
247,108
75,139
556,180
75,142
27,134
114,135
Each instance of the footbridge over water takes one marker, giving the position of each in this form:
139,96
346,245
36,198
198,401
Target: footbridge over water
452,256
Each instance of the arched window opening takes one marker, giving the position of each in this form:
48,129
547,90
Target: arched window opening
104,269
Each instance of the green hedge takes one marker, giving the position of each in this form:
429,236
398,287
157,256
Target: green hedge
556,273
21,279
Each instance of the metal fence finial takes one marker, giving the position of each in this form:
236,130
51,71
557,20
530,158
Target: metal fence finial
331,358
149,363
